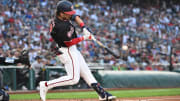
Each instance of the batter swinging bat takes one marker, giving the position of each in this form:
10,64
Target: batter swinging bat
106,48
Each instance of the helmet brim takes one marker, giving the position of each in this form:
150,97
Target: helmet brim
70,12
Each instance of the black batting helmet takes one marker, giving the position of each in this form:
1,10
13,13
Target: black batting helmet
66,7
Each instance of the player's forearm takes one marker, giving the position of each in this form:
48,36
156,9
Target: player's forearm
77,40
79,21
74,41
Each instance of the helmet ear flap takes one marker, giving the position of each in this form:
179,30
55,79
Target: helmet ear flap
57,12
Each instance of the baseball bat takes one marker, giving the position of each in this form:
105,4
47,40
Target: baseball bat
106,48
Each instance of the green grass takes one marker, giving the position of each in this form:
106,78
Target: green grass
92,94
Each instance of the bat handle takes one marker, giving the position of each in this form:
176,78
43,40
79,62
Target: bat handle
93,38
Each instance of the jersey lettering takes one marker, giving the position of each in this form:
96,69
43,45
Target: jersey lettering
69,33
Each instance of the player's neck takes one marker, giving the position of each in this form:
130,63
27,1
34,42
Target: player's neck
61,18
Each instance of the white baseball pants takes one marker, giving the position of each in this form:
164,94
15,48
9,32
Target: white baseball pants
75,67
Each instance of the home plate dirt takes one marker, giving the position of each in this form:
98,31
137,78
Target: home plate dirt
162,98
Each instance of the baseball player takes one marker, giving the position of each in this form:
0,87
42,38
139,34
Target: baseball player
64,34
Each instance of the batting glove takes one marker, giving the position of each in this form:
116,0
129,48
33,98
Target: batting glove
86,31
88,37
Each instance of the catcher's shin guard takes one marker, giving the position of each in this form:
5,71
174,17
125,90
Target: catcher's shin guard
101,92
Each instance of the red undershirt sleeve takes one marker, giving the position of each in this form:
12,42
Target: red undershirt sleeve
73,41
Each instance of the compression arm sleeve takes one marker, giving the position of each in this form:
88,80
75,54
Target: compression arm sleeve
73,41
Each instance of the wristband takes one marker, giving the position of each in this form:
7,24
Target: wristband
82,25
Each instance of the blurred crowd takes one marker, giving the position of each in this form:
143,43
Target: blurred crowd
150,34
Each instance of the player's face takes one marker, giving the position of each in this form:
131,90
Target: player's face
65,17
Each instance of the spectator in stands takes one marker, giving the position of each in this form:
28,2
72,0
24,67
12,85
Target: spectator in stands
149,67
115,67
39,68
22,58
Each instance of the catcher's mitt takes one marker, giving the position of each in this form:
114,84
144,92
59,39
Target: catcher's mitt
24,57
